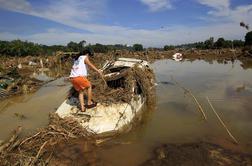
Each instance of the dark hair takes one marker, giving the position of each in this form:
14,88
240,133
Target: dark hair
85,51
88,51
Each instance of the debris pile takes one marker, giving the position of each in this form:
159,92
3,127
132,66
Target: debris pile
226,54
13,83
19,75
38,149
60,64
121,87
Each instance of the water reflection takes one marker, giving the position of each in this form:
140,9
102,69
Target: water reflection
176,118
34,107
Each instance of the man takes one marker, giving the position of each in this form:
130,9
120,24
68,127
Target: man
78,77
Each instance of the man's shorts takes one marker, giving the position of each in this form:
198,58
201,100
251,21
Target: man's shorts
80,83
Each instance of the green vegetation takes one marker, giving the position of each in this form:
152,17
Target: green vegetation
99,48
19,48
220,42
25,48
248,39
169,47
210,44
138,47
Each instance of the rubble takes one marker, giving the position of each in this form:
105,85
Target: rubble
38,149
12,83
61,63
119,86
26,74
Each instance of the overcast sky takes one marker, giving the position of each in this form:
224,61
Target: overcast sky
153,23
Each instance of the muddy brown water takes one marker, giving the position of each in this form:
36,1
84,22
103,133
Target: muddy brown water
31,111
174,119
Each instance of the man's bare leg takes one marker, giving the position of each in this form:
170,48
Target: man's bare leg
81,98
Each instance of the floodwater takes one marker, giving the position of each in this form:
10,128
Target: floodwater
31,111
175,117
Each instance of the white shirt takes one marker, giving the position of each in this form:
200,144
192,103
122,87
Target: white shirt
79,67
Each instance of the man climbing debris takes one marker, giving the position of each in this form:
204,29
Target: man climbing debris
78,77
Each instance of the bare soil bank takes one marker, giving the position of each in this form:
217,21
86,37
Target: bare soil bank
191,154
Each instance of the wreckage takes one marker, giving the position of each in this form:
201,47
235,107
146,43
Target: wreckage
126,86
12,83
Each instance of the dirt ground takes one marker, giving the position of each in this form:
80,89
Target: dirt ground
200,154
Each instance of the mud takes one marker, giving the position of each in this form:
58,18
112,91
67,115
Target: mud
75,153
13,83
48,145
38,149
17,75
192,154
60,65
222,56
150,55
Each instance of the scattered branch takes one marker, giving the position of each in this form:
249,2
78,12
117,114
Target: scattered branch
194,98
38,154
12,139
223,124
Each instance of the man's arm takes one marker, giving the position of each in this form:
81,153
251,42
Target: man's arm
91,65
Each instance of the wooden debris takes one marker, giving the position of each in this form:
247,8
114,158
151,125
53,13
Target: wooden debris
105,82
223,124
11,140
38,148
37,156
194,98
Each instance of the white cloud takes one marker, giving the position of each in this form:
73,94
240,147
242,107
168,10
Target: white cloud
16,5
221,7
58,11
242,13
223,12
77,13
217,4
157,38
157,5
74,13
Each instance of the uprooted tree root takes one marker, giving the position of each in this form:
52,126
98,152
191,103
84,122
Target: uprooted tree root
38,148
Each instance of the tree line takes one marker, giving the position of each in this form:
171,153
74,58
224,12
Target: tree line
24,48
209,44
219,43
